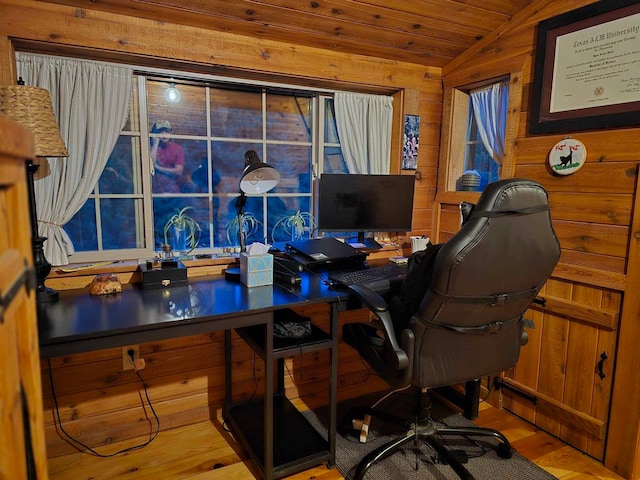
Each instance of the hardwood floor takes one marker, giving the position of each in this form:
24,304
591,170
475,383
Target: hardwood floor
546,451
205,451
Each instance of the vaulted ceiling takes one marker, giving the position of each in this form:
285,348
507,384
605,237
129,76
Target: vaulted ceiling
427,32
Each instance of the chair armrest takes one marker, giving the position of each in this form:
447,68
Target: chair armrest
379,307
371,299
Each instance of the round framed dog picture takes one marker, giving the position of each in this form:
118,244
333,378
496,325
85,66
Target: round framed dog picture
567,156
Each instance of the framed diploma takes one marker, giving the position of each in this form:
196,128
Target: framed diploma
587,69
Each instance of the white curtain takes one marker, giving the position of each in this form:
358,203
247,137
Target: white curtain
490,105
91,103
364,128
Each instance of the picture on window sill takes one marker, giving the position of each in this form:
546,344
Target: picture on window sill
411,142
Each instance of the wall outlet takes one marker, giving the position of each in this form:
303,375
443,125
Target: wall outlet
127,361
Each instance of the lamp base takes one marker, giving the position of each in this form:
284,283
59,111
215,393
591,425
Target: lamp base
42,267
46,295
232,274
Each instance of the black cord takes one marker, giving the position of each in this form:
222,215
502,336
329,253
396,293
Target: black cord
489,389
255,379
77,443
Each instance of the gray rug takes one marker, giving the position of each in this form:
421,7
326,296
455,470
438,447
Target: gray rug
420,462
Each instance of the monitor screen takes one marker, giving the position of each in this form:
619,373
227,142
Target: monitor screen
358,203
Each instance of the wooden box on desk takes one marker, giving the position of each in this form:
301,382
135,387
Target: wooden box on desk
163,275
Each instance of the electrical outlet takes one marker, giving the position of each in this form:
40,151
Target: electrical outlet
127,361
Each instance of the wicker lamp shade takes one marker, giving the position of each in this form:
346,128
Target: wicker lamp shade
32,107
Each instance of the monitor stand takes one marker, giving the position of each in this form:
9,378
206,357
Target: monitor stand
364,243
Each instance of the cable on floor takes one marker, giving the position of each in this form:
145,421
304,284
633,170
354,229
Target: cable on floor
87,449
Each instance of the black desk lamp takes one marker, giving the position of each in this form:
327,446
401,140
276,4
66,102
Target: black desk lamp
257,178
32,107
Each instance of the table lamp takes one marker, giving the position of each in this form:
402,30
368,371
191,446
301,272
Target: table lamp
32,107
257,178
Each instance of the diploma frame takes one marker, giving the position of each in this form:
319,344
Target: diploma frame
541,119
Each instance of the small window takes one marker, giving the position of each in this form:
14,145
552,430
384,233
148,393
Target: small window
477,160
478,115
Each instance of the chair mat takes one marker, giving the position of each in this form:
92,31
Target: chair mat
420,461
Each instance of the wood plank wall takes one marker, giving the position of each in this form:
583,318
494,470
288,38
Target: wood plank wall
593,211
98,402
588,313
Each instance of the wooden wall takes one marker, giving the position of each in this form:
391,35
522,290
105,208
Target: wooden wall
99,403
593,210
588,313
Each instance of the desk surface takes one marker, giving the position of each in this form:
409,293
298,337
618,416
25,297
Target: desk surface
80,322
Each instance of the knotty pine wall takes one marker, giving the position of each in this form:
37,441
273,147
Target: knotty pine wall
593,213
592,296
99,403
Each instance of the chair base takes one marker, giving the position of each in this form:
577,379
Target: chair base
428,432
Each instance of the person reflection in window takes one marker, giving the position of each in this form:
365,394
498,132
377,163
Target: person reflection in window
168,159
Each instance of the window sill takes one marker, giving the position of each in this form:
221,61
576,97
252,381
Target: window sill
127,271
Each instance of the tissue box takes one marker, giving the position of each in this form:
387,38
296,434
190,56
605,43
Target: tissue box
256,270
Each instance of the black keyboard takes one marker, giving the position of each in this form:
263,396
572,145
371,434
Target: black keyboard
376,277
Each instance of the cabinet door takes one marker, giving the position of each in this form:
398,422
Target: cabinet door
22,443
567,365
14,461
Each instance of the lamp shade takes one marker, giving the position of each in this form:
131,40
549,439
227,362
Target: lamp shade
257,177
32,107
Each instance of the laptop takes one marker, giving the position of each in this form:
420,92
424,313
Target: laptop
323,251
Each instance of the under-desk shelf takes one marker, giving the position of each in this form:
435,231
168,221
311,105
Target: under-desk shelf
318,339
296,444
277,436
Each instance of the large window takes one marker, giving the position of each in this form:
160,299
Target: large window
201,142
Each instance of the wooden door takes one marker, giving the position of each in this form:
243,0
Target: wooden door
22,455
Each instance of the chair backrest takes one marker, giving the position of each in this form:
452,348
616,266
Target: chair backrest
469,323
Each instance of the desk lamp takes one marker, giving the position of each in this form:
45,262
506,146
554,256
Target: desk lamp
32,107
257,178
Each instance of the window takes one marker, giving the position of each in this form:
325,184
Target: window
332,153
477,159
207,133
478,115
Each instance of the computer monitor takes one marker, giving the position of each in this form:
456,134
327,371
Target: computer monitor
365,203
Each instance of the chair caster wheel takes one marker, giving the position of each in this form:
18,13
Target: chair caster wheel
504,451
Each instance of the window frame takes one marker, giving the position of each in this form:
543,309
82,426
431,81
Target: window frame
445,216
318,97
453,143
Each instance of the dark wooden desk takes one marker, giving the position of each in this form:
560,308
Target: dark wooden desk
80,322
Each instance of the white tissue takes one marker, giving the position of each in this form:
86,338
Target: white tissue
257,249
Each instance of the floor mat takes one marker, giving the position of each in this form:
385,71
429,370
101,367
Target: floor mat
420,461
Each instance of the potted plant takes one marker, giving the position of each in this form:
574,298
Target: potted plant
182,232
250,226
294,226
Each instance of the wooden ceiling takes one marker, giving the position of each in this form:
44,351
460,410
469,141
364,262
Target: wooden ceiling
427,32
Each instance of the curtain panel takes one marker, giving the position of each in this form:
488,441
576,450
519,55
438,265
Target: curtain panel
490,105
91,104
364,124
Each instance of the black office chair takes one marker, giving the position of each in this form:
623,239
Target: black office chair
469,324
